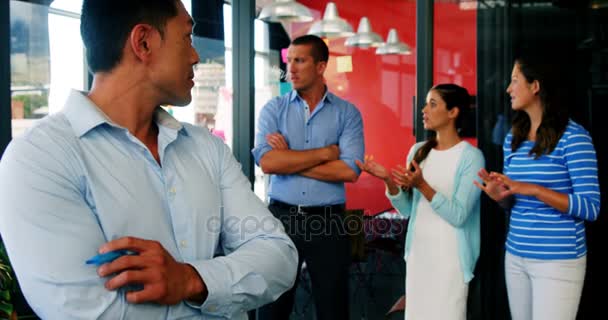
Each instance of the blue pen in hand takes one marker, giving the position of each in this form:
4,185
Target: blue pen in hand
109,257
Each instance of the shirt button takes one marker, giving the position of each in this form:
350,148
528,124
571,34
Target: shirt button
183,243
172,191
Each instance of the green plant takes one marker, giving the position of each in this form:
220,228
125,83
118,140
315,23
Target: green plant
7,285
32,102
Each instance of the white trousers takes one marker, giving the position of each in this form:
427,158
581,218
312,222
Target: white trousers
544,289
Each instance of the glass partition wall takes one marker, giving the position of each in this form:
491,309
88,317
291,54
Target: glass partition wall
382,87
473,44
576,32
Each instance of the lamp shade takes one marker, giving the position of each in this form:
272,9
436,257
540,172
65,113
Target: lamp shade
285,11
598,4
331,26
393,45
364,37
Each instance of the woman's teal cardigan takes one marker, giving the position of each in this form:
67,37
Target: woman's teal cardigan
460,209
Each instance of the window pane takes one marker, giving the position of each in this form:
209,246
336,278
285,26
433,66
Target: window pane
267,76
211,98
30,64
47,61
211,104
67,5
67,59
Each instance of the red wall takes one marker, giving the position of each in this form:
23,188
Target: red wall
455,46
382,87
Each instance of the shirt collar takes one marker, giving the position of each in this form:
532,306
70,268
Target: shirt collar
84,115
165,119
327,97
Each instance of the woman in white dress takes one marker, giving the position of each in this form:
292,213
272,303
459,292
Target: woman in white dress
436,192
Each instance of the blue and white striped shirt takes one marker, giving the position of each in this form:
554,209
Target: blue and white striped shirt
536,229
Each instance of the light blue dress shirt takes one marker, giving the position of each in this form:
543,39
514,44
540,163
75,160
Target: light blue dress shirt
77,180
333,121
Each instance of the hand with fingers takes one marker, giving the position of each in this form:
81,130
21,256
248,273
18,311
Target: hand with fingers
410,177
492,185
515,187
164,280
377,170
277,141
374,168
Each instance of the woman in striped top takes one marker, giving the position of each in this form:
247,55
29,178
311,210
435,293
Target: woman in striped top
550,186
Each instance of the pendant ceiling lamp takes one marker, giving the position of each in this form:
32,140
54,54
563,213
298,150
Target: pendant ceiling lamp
393,45
365,37
285,11
331,26
598,4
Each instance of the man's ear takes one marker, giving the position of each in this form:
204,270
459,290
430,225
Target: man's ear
321,66
142,40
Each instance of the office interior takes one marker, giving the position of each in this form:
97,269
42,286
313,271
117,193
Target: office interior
242,66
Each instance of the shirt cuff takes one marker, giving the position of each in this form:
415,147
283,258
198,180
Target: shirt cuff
571,204
259,151
219,289
393,197
351,163
437,201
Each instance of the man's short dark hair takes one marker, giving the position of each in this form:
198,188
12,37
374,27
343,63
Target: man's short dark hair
106,24
320,51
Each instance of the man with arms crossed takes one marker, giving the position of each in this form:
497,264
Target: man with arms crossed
114,171
309,140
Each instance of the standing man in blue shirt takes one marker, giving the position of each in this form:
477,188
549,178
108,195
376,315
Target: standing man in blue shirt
114,171
308,140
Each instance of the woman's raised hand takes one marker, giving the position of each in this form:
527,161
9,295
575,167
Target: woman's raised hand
372,167
410,177
493,185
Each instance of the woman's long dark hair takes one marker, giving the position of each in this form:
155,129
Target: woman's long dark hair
555,112
454,96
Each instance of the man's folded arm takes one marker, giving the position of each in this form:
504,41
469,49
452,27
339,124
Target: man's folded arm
351,147
293,161
50,231
260,260
284,161
332,171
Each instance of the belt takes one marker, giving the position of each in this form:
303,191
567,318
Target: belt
335,208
